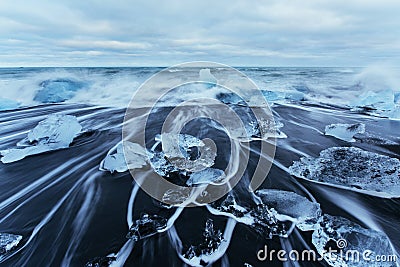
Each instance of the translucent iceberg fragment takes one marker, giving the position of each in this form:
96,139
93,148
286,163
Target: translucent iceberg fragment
206,76
345,132
187,152
267,129
135,157
302,211
260,218
161,165
7,104
352,168
8,242
58,90
55,132
350,241
212,240
147,225
101,261
206,176
382,100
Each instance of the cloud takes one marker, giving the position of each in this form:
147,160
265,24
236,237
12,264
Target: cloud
119,32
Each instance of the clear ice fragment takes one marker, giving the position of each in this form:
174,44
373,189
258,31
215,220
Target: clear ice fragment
345,132
55,132
352,168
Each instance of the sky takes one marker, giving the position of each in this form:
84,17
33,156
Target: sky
163,33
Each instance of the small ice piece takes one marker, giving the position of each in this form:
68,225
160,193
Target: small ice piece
147,225
273,95
267,129
352,168
55,132
381,100
206,176
302,211
345,132
8,242
176,197
7,104
182,153
344,237
58,90
206,76
259,218
101,261
134,158
178,145
212,241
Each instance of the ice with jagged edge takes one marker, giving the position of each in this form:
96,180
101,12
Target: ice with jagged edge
147,225
293,207
55,132
206,176
135,157
179,149
344,131
206,76
381,100
267,129
101,261
260,218
199,254
348,236
58,90
352,168
8,104
8,242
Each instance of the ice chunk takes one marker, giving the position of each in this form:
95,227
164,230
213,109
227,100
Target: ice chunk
146,226
352,168
230,98
382,100
58,90
7,104
55,132
273,95
187,152
267,129
161,165
212,240
136,157
206,176
344,236
303,212
345,132
101,261
182,154
259,218
281,95
8,242
206,76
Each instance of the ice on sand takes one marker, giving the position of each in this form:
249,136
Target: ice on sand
292,206
147,225
206,176
352,168
345,132
8,242
55,132
260,218
212,241
344,236
135,157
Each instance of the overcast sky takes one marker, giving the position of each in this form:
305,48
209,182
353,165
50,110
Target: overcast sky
161,33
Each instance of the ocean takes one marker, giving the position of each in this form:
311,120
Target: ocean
331,170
